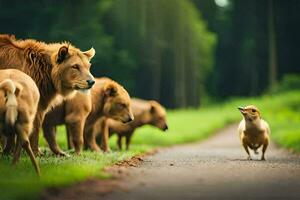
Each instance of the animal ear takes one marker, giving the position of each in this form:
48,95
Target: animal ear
152,109
90,53
12,36
111,90
152,106
62,54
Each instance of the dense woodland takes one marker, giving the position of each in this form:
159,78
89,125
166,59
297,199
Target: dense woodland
174,51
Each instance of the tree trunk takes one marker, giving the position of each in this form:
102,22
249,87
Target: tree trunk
272,46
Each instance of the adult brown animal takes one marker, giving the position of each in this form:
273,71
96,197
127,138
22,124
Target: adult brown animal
57,69
145,112
19,98
107,98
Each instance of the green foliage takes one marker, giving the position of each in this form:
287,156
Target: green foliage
171,45
243,53
288,82
284,120
20,181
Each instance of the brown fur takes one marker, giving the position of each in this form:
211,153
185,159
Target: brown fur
79,113
145,112
254,131
57,68
19,98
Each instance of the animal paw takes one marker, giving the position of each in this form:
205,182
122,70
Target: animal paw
96,148
61,153
38,153
107,150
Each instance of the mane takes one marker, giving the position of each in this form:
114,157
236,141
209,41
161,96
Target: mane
33,58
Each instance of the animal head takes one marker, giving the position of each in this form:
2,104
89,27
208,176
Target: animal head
250,113
71,69
158,116
117,102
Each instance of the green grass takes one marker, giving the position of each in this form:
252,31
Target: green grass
280,110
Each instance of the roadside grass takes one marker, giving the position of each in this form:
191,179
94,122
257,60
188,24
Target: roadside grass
285,121
20,182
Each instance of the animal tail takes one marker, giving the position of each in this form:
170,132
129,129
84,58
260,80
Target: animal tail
11,104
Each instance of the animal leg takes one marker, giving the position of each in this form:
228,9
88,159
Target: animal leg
28,150
50,136
90,139
2,142
17,151
69,139
128,139
10,144
247,150
34,137
76,129
119,142
105,136
265,146
23,132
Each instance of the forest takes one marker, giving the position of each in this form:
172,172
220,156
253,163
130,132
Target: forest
182,53
201,59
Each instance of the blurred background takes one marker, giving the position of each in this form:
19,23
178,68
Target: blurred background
183,53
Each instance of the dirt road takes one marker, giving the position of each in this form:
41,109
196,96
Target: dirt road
214,169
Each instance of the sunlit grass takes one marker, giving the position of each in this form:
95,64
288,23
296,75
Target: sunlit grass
20,182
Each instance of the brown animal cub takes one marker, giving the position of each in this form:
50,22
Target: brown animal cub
19,98
145,112
107,98
56,68
254,131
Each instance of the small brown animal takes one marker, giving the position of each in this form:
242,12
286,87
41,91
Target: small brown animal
145,112
57,69
254,131
19,98
79,113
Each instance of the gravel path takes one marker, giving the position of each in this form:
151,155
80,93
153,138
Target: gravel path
214,169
